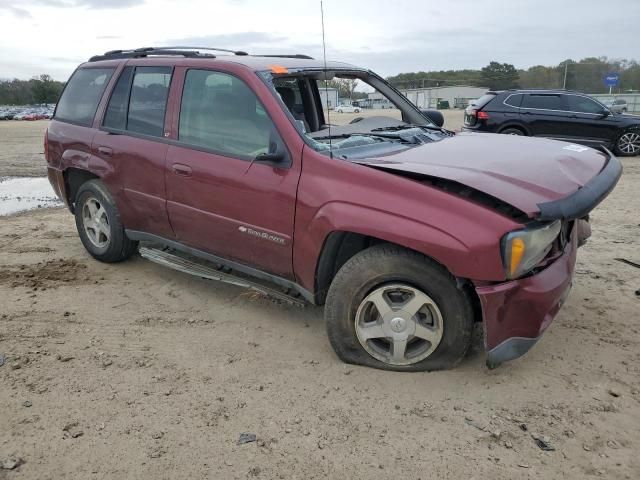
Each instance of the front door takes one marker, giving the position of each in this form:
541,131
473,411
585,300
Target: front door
587,123
219,198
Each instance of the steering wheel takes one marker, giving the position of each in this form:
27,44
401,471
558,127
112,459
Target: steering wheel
356,120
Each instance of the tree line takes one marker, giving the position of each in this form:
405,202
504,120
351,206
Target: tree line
585,75
42,89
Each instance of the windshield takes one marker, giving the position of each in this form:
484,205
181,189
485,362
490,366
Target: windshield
348,109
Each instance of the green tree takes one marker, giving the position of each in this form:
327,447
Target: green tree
45,89
500,76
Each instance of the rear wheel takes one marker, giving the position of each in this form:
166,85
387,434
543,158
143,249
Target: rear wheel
512,131
99,225
628,144
394,309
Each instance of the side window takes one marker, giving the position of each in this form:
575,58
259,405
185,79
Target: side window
82,95
581,104
148,100
220,112
543,102
514,100
116,114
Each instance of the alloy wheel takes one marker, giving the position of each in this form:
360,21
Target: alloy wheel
399,324
96,223
629,143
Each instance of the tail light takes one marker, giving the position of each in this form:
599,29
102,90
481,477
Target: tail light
482,115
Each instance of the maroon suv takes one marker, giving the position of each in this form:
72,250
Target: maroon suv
406,232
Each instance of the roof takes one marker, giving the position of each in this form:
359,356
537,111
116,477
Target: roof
253,62
534,90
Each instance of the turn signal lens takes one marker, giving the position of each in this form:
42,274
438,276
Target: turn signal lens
517,252
523,250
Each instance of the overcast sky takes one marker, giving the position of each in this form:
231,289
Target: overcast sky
388,36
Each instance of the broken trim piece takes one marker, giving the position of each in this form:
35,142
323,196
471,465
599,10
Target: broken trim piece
580,203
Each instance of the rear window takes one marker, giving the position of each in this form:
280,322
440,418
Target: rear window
483,100
82,95
543,102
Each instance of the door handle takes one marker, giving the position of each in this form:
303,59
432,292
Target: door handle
106,151
180,169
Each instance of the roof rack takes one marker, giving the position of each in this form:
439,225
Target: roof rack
297,55
146,51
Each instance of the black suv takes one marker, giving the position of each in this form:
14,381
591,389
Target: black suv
558,114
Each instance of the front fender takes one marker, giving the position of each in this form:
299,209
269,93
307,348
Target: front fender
459,257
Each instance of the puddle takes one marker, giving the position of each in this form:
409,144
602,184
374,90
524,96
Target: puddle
18,194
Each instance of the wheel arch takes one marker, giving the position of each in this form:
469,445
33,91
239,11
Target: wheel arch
517,126
73,180
341,245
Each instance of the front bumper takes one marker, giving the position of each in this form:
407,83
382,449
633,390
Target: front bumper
516,313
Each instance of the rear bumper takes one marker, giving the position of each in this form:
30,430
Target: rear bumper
516,313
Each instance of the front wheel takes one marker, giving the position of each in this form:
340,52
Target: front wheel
99,225
395,309
628,144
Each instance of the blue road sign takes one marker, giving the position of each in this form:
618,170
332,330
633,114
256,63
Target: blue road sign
611,79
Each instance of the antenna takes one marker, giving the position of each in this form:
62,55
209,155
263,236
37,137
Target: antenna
326,87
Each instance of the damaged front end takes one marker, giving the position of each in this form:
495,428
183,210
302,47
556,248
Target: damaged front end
538,259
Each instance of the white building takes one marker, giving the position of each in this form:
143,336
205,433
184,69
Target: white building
457,96
329,97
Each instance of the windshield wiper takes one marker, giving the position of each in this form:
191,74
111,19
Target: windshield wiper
406,126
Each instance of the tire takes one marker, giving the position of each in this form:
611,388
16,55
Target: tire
357,110
390,267
628,143
99,226
512,131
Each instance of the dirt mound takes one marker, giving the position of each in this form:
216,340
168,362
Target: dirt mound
44,274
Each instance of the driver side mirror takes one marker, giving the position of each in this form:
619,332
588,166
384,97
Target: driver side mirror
605,112
276,154
434,115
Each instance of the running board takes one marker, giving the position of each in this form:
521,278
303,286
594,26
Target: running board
181,264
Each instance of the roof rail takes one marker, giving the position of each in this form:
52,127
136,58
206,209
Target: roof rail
297,55
146,51
235,52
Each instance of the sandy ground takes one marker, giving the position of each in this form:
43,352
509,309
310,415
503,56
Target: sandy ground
135,371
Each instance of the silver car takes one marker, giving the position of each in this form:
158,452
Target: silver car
619,105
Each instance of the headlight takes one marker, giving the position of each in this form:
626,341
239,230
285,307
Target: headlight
522,250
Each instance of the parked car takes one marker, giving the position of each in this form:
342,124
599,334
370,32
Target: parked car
619,105
558,114
347,109
406,232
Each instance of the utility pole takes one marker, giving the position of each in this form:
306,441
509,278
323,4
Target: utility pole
564,83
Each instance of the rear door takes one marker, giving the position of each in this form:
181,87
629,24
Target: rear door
220,200
546,114
131,140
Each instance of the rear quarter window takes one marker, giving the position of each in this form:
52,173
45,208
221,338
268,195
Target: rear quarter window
483,100
514,100
81,96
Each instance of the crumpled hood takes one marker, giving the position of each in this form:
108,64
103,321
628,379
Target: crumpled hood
520,171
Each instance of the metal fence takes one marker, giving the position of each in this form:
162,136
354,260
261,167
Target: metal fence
632,99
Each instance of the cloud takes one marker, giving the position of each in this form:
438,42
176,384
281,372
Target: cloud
235,41
19,8
16,11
